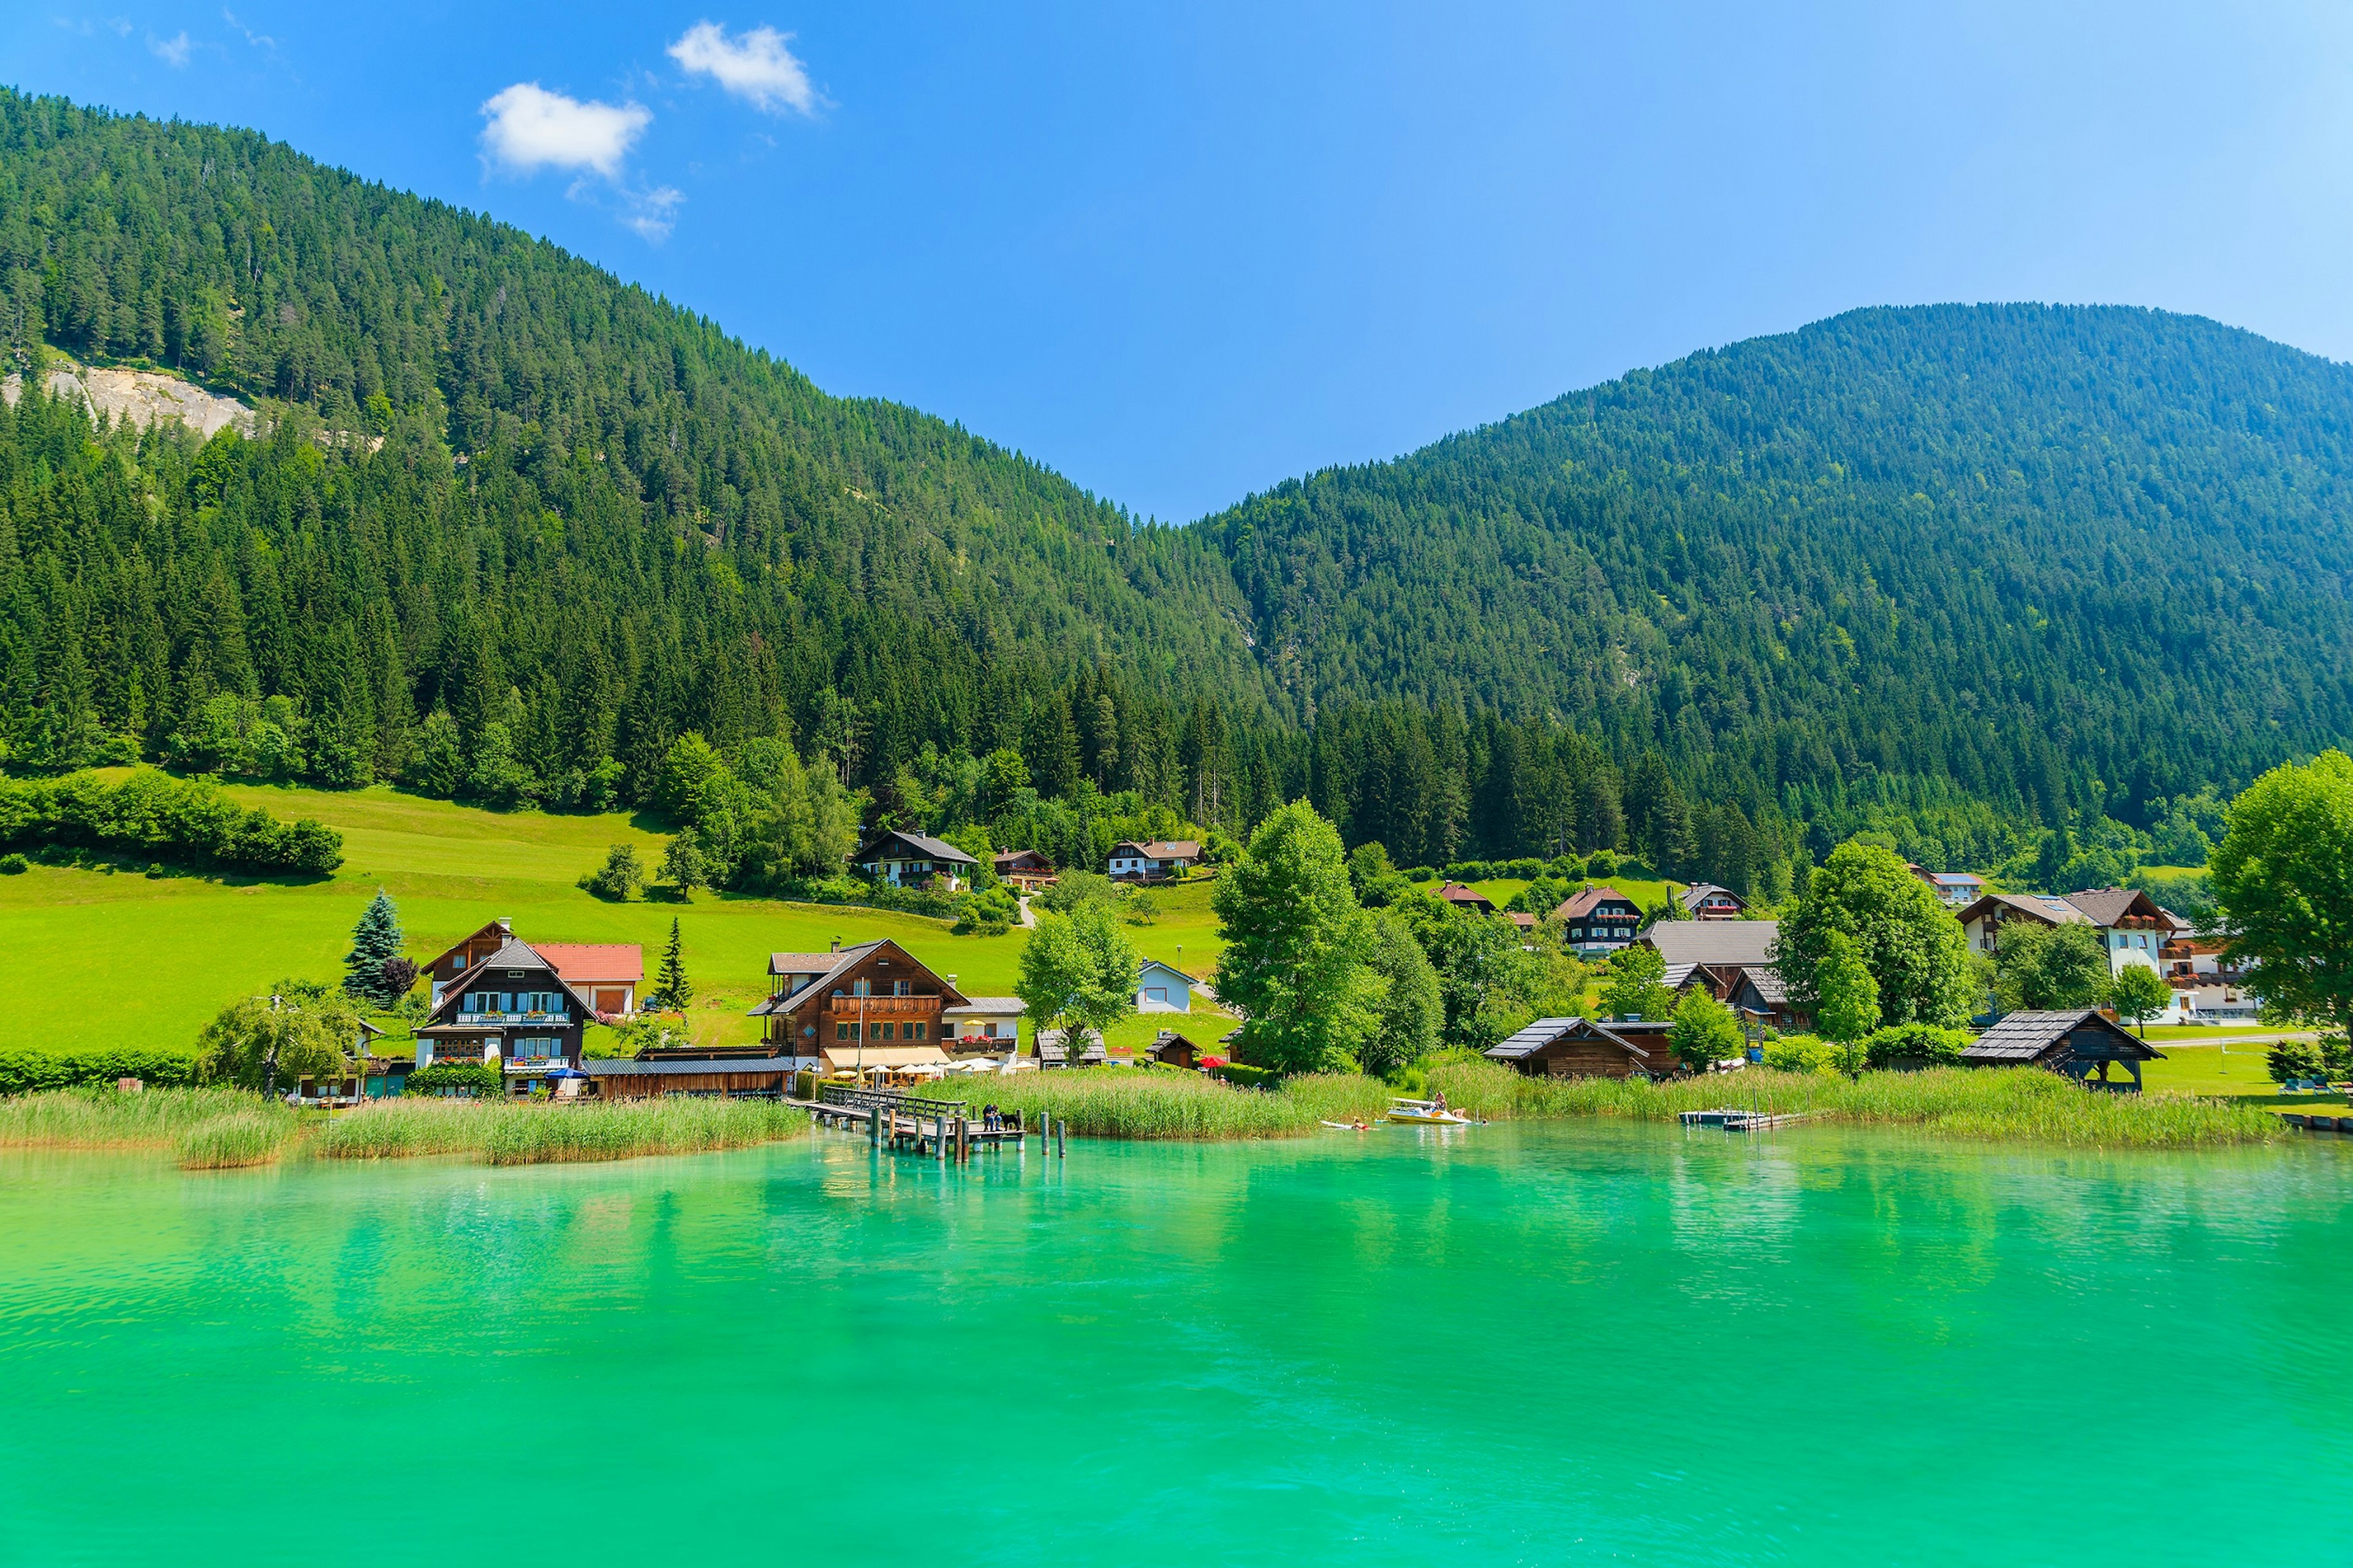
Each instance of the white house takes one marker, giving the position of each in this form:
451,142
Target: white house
1160,989
989,1023
1149,862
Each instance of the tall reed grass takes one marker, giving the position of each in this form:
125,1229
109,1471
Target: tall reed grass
97,1118
400,1129
620,1129
1138,1104
2023,1103
250,1136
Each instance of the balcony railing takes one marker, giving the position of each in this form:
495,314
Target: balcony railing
880,1007
465,1017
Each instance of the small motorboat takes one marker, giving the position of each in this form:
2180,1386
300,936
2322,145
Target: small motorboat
1426,1112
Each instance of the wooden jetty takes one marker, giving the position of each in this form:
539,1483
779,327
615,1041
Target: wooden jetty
1734,1120
943,1129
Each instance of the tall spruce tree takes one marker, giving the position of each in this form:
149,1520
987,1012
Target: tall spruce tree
672,989
374,940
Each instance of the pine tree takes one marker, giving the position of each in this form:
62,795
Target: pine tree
672,990
374,940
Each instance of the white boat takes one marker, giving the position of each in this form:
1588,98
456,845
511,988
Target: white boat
1426,1112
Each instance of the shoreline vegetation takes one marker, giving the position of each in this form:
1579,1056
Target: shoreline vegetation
213,1128
219,1129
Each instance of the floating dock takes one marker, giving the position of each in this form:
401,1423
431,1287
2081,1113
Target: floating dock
1737,1120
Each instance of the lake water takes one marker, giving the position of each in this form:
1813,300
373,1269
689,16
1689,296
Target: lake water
1552,1345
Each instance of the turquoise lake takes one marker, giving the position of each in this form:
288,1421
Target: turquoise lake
1503,1345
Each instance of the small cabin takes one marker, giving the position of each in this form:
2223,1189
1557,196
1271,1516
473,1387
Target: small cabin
1170,1048
1588,1047
2081,1043
1161,989
1053,1053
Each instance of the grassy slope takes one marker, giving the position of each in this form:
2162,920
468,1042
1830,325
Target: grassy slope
97,958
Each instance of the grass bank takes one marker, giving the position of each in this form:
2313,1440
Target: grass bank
505,1134
2020,1104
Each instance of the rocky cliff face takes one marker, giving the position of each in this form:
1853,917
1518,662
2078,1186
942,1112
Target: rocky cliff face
140,396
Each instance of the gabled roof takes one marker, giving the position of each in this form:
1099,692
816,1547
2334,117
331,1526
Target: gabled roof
1052,1049
1578,905
1957,879
928,847
513,953
1767,983
1699,893
2028,1036
1169,969
607,1067
1456,893
2106,906
1005,858
501,929
990,1006
827,966
2048,908
1628,1038
1173,850
586,962
1724,944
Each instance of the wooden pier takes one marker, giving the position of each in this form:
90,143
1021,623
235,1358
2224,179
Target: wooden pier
943,1129
1733,1119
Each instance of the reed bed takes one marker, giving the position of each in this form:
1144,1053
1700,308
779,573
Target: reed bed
622,1130
403,1129
2007,1103
98,1118
250,1136
1137,1103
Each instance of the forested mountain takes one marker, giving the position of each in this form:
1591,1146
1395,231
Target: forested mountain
2002,581
503,483
2066,562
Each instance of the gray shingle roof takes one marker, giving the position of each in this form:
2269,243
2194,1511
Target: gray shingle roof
2026,1036
600,1067
1535,1036
930,848
1730,943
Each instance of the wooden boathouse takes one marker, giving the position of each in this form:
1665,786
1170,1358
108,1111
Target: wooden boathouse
1588,1047
2081,1043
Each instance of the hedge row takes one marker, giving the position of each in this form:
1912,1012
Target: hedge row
26,1071
153,814
468,1078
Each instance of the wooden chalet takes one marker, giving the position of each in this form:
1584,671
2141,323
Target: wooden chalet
867,1006
1470,900
1024,869
1752,990
2080,1043
717,1073
1587,1048
1172,1050
912,859
1598,920
511,1007
1707,902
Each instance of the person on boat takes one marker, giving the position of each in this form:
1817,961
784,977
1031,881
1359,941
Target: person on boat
1437,1101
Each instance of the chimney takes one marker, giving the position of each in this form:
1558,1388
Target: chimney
506,926
837,945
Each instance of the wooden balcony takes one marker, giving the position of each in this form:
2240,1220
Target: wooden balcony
880,1009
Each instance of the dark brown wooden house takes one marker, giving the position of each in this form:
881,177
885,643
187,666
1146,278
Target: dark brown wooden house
1586,1047
2081,1043
1470,900
823,1006
717,1073
512,1007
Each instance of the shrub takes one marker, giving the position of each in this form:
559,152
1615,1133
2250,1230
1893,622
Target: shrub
1910,1045
13,865
989,913
2304,1059
26,1071
1247,1077
151,811
460,1078
1805,1054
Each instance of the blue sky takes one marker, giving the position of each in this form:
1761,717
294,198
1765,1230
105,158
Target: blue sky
1183,252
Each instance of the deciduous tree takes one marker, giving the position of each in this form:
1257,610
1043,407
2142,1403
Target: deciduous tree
2284,878
1296,947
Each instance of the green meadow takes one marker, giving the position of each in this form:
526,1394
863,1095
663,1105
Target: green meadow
102,954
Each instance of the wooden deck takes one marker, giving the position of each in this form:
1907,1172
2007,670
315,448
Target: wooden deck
1734,1120
943,1130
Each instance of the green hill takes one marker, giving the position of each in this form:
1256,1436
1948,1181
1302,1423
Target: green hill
101,956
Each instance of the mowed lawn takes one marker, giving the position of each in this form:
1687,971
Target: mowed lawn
103,958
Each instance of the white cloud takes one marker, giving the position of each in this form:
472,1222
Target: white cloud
173,52
653,213
755,65
259,41
531,128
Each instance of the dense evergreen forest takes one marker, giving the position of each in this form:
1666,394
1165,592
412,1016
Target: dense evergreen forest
1998,583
